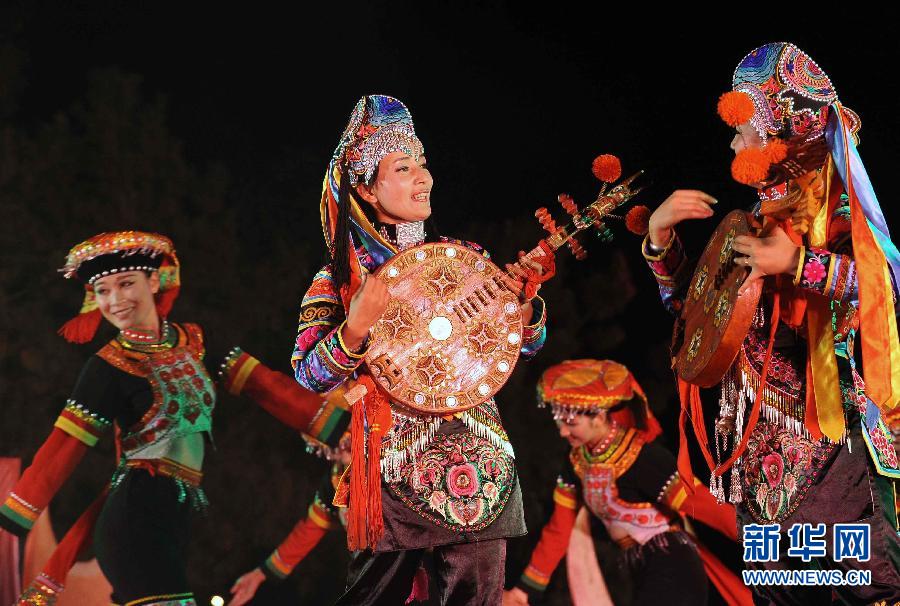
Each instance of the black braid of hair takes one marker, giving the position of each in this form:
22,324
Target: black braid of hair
340,244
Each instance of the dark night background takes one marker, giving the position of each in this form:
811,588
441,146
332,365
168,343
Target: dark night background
215,126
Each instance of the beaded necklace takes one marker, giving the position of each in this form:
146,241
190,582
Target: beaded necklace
146,342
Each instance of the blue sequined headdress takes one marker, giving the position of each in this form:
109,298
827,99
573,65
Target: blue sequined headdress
790,92
378,126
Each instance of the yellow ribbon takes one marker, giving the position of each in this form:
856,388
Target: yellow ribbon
826,386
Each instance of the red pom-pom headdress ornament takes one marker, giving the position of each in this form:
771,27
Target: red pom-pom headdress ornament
781,92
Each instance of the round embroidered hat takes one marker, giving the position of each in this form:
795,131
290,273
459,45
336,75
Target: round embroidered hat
790,93
586,387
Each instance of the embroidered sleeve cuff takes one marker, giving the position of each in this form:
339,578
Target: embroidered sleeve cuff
80,423
667,265
534,335
331,421
800,263
829,274
17,515
564,496
670,483
675,493
320,516
539,311
652,253
533,580
349,352
236,369
275,569
333,362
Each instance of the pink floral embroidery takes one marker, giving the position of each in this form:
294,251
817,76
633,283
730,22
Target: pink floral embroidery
462,480
437,500
779,467
814,272
773,467
308,338
491,491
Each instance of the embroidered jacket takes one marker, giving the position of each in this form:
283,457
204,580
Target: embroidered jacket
830,274
155,395
322,361
633,488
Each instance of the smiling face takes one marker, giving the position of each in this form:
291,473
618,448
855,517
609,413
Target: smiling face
126,300
402,189
583,429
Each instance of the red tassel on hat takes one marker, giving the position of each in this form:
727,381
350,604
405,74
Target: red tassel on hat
82,328
735,108
165,300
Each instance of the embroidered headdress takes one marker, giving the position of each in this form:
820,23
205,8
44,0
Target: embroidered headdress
378,126
790,93
115,252
586,387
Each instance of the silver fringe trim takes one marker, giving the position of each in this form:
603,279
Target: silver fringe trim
483,431
393,459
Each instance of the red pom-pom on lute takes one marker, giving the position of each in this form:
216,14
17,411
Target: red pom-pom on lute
607,168
638,220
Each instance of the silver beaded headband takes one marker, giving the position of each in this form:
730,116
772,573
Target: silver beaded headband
567,414
109,272
397,137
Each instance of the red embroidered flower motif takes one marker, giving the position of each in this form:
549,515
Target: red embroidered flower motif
773,467
491,491
795,456
437,500
424,478
307,338
790,484
491,467
462,480
774,503
814,272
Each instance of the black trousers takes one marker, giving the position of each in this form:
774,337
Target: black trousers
666,570
141,540
468,574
